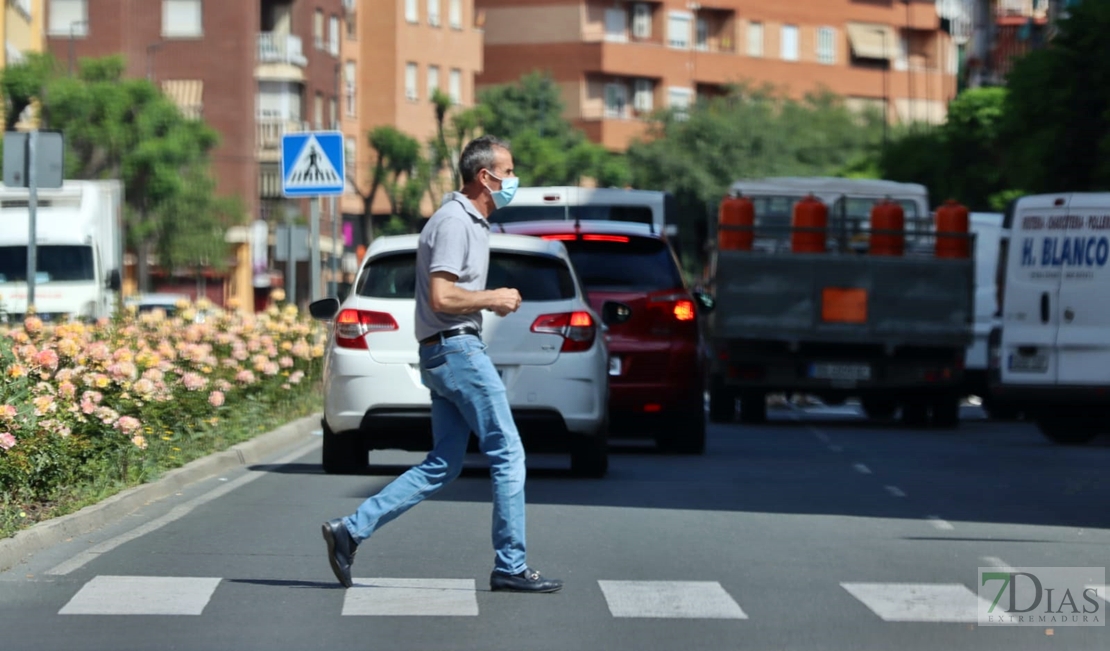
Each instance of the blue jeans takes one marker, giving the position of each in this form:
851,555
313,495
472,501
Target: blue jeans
467,396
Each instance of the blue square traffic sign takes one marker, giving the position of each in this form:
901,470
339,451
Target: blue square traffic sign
312,164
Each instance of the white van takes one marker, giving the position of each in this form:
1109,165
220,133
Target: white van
568,203
1052,353
988,231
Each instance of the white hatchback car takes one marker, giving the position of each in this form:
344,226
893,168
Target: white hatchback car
552,355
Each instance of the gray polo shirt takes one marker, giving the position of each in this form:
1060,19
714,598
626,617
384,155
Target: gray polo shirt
455,240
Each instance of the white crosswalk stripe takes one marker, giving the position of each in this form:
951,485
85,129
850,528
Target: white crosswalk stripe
670,599
142,595
404,597
918,602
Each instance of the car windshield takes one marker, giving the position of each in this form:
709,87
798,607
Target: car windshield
54,263
537,278
640,264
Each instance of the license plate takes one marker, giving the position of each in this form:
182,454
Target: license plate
614,365
853,372
1029,364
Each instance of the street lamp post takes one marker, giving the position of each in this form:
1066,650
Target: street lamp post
72,35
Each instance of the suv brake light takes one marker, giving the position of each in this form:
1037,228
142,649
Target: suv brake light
352,326
577,329
682,308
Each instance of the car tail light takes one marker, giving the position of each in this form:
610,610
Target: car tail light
352,326
677,304
577,329
605,238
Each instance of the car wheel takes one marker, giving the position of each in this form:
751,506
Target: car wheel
879,409
722,402
1068,431
683,433
753,407
946,412
343,455
589,456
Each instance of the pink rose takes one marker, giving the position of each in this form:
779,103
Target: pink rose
7,441
216,398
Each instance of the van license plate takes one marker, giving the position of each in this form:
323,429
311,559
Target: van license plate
1029,364
614,365
853,372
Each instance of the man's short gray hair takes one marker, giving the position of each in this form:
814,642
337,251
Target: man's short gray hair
478,155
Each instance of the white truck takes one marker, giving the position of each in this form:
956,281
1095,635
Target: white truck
79,234
1052,352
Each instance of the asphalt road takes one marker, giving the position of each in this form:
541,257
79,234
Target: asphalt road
817,530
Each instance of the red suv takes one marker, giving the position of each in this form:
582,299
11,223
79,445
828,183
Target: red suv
657,358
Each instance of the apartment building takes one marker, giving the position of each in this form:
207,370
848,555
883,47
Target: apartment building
252,69
617,60
396,54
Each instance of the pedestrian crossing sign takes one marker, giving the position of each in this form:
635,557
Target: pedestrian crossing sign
312,164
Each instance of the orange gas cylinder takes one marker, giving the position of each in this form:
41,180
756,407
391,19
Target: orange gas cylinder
888,216
736,211
952,218
811,219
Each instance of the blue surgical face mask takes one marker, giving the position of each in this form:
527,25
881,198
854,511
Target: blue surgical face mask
502,197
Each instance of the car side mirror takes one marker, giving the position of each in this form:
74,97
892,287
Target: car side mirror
324,309
114,281
613,313
705,301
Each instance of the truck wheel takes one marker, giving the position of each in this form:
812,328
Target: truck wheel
343,455
915,413
946,412
589,456
722,402
753,407
683,434
1068,431
878,408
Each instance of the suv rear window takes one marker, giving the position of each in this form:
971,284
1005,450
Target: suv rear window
641,264
589,212
537,278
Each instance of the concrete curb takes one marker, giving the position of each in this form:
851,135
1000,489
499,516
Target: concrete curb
51,532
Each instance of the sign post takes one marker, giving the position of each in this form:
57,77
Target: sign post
312,167
33,160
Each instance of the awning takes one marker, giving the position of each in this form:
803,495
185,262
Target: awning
187,94
873,40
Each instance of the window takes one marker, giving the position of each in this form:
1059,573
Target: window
643,99
701,41
55,263
616,98
616,22
679,100
182,18
24,6
66,15
318,111
454,86
678,29
789,45
902,58
537,278
352,26
350,150
641,20
333,36
433,13
412,11
755,39
318,29
433,81
454,13
350,77
640,265
410,82
333,114
826,45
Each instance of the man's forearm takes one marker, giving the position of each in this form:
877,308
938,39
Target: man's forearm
455,300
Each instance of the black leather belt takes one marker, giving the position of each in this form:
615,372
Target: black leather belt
447,334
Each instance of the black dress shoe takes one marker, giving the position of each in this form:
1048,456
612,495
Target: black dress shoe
341,550
527,581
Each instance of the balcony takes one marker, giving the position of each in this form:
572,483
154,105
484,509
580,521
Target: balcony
269,133
281,48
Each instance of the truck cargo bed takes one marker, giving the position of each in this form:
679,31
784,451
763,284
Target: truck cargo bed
843,298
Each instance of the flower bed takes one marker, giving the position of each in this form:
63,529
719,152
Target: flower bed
86,410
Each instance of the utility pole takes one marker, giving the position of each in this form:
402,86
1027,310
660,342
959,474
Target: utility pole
32,214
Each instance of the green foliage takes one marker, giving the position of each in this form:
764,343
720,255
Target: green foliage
401,170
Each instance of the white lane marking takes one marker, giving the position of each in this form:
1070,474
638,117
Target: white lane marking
670,599
176,513
862,469
895,491
404,597
821,436
938,523
918,602
994,561
142,595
